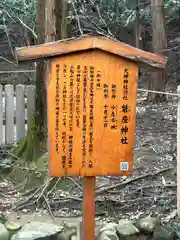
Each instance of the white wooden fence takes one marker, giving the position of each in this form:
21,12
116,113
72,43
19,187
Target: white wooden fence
17,104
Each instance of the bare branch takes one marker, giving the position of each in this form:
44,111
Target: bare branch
101,18
77,17
31,30
9,15
9,41
48,206
5,59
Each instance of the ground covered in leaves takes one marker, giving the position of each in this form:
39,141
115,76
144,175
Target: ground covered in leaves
151,190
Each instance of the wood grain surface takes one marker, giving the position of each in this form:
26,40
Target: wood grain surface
84,43
91,114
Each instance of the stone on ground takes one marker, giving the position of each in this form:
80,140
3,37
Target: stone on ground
108,232
108,235
163,233
74,238
66,234
12,226
147,224
4,234
126,228
38,231
109,227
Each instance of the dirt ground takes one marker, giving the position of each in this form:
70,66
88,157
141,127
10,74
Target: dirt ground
151,190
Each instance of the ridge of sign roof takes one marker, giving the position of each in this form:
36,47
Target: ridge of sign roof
87,42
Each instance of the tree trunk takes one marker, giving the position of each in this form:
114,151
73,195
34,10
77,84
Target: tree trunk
46,31
62,8
51,25
137,25
36,135
50,20
40,113
159,43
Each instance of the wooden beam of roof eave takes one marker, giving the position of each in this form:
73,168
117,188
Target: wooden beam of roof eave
121,49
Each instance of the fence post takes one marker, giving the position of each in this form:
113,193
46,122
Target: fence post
9,113
1,115
20,112
178,153
30,103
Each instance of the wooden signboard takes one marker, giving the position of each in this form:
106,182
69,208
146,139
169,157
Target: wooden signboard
91,91
92,114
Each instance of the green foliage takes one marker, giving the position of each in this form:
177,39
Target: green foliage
13,10
171,3
164,204
98,16
104,16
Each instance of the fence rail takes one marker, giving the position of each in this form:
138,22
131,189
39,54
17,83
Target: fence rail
17,104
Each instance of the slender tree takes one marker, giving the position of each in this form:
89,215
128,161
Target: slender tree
30,147
51,24
40,120
62,8
137,25
159,43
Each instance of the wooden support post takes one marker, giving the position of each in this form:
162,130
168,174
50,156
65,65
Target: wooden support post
9,110
1,115
178,154
89,208
20,113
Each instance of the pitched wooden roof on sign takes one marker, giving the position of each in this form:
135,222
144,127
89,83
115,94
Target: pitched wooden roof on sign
90,42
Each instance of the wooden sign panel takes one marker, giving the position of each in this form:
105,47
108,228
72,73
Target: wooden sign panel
91,114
